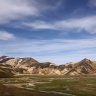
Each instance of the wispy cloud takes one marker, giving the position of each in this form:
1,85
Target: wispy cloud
55,49
19,9
87,24
92,3
6,35
54,6
40,25
16,9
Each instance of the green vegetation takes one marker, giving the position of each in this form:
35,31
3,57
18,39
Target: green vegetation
36,85
79,86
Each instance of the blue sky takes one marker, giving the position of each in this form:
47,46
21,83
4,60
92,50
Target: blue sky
58,31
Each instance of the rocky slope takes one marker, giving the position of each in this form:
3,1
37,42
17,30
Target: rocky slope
32,66
83,67
6,70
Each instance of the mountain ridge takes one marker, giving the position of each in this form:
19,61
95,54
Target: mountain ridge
29,65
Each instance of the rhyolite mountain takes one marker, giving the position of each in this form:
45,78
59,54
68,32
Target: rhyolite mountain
27,65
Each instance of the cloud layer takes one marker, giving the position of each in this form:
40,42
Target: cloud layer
17,9
44,15
57,50
6,35
92,3
87,24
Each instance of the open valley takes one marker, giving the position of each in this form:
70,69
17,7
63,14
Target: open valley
36,85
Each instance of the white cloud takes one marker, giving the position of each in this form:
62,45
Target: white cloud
17,9
40,25
6,35
92,3
87,24
57,4
56,50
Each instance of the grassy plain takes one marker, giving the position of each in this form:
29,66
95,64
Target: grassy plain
36,85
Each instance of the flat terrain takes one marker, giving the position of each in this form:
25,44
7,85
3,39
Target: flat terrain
36,85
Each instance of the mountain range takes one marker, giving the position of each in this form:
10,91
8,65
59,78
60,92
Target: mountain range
10,66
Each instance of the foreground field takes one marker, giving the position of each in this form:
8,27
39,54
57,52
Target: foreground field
35,85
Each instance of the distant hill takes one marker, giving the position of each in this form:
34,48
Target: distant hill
29,65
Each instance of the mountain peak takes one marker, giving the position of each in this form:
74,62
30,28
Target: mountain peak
85,60
29,65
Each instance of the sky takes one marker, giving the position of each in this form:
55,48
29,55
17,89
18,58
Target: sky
58,31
